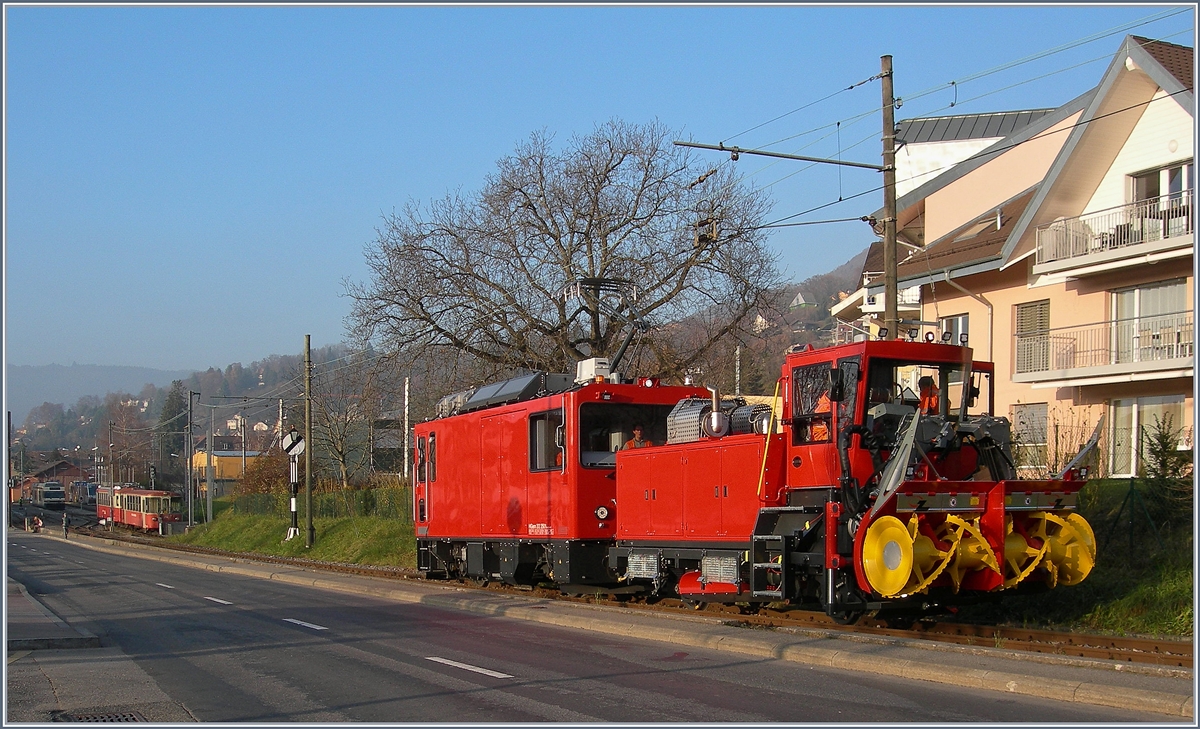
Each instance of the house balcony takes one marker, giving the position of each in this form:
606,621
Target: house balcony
1123,350
1149,231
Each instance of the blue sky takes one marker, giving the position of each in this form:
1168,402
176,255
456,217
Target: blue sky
191,186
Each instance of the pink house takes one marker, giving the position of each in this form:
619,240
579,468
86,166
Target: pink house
1064,251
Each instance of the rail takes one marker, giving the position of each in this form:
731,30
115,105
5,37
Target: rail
1120,341
1147,221
1166,654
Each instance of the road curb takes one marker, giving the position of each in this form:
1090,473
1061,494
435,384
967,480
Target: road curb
707,633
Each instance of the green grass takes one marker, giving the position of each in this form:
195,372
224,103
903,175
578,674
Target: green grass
1143,590
363,540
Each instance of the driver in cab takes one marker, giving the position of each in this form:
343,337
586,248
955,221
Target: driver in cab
637,441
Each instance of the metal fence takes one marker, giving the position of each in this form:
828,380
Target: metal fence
1141,222
386,503
1121,341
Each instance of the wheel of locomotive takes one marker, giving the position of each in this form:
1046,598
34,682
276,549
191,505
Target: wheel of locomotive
479,581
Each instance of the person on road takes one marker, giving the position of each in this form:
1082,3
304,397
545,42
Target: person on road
637,441
37,525
66,523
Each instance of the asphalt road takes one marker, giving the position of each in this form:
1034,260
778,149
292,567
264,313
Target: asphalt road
238,649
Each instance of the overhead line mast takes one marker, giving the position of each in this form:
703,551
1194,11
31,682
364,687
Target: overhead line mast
891,320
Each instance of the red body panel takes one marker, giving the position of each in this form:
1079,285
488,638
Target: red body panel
484,486
703,491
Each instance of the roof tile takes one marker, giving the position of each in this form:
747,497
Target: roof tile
1177,60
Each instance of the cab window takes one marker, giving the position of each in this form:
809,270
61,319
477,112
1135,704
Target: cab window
420,465
545,441
432,465
811,419
605,428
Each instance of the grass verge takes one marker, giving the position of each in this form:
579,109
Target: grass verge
362,540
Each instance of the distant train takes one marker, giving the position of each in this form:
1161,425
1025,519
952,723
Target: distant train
81,493
49,495
137,508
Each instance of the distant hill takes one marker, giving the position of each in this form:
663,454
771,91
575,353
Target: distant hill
31,385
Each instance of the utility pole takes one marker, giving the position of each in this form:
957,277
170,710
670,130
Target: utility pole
242,420
737,370
208,471
407,473
111,463
891,318
308,542
190,459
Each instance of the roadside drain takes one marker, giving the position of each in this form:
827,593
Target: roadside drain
107,717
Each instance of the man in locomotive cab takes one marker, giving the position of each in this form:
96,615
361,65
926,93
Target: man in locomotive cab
929,395
637,441
820,426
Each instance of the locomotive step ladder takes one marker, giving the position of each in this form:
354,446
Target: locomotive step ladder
768,565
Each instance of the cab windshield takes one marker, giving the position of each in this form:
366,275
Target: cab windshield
931,388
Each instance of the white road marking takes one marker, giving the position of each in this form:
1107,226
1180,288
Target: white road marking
467,667
167,586
217,599
307,625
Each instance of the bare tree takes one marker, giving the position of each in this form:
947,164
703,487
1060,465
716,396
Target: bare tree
481,277
347,397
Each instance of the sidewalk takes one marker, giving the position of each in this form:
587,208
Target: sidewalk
1168,691
31,625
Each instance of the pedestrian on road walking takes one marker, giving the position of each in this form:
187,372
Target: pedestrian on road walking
66,523
37,525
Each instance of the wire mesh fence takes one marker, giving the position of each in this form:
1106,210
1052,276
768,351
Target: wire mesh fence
1138,519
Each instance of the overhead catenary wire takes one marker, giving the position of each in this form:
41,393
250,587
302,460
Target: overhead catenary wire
992,151
1121,28
848,121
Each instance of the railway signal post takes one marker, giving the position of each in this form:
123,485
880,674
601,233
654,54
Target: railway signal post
293,445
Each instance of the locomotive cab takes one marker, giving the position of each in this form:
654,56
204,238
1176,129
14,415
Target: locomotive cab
902,487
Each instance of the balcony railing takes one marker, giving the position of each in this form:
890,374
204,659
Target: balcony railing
1123,341
1147,221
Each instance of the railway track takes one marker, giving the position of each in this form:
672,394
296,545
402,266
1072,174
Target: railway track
1132,650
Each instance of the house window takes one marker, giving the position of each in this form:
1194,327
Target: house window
1168,183
545,448
1151,322
1132,422
957,325
1032,323
959,328
1162,206
1029,438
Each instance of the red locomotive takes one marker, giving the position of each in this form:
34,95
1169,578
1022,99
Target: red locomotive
888,485
137,508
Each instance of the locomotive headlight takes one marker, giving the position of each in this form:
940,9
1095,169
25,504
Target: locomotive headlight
601,512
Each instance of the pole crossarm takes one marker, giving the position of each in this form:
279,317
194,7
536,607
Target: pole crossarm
736,151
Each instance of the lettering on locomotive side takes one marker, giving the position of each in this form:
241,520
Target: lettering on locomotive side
540,530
